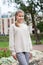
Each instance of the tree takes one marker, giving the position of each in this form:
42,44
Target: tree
31,6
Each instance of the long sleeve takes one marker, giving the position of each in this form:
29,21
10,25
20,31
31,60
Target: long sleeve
11,39
30,41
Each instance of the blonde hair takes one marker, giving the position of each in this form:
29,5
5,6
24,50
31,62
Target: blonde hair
18,11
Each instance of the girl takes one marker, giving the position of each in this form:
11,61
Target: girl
19,39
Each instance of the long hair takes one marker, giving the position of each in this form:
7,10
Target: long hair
18,11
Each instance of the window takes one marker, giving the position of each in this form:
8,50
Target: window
3,25
0,27
12,20
8,23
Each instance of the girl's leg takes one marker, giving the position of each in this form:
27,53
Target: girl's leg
21,58
27,57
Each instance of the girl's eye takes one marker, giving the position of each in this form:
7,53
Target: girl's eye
21,16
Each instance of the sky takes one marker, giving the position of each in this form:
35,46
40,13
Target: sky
4,8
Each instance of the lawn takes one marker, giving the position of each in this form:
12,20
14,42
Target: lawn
3,44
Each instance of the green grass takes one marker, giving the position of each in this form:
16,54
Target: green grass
3,44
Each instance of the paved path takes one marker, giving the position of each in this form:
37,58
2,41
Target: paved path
38,47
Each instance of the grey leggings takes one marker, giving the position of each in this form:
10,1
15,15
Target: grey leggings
23,58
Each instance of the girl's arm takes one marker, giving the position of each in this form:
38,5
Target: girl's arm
11,39
30,41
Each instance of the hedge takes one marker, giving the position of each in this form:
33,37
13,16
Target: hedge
4,52
4,38
40,35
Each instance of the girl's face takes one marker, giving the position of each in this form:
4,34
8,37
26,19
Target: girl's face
20,17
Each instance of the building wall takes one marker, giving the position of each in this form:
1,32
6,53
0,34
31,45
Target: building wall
5,24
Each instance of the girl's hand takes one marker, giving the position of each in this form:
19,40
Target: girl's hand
30,55
15,57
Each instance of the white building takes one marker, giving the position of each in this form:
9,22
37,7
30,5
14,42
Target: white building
5,24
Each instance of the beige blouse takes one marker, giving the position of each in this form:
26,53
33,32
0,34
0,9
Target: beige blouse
19,39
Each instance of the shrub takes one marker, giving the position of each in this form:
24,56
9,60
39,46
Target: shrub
40,26
40,35
4,52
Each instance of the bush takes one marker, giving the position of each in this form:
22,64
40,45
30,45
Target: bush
4,52
40,26
4,38
40,35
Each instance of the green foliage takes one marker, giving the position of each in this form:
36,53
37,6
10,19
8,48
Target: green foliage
23,7
31,6
33,36
4,53
40,26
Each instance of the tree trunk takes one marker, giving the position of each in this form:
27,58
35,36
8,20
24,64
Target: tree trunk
36,34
